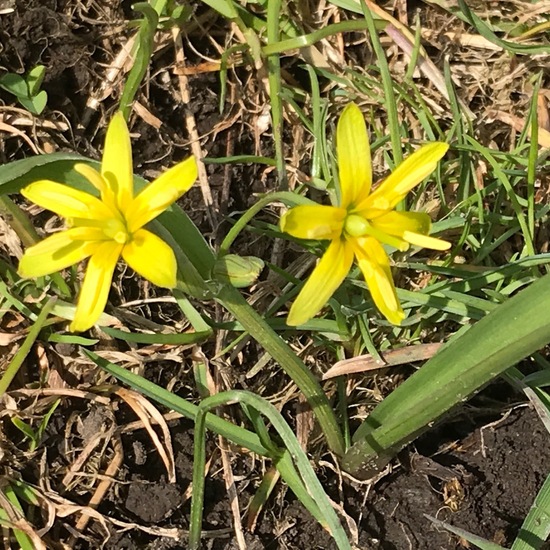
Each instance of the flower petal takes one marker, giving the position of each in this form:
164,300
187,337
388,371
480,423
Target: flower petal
413,227
96,286
116,164
322,283
406,176
314,222
66,201
353,153
424,241
160,194
152,258
396,223
375,265
99,182
55,253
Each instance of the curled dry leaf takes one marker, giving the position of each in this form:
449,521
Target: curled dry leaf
364,363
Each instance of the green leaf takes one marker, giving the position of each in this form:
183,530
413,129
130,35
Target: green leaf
236,434
24,428
142,55
310,483
536,526
24,541
14,365
35,104
483,29
57,166
171,339
35,78
15,84
480,542
241,271
512,331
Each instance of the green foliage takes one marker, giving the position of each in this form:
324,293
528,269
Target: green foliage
241,271
35,436
491,310
27,89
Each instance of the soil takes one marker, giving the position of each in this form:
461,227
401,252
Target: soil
483,482
476,471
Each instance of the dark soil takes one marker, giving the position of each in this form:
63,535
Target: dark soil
484,483
482,479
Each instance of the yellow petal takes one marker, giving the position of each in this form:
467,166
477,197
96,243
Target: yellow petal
55,253
92,175
322,283
152,258
426,242
98,181
66,201
353,152
375,265
96,286
413,227
160,194
116,164
396,223
314,222
406,176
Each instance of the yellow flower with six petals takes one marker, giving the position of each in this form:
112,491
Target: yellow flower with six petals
362,222
106,228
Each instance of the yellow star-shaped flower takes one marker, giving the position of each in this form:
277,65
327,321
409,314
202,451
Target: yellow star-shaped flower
362,222
106,228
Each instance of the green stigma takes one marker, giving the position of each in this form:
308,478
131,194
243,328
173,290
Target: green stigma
116,230
356,226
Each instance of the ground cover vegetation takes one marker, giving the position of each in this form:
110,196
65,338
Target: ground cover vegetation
274,274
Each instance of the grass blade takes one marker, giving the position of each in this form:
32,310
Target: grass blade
481,543
238,435
536,526
312,484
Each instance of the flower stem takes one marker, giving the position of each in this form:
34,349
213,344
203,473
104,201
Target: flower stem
232,300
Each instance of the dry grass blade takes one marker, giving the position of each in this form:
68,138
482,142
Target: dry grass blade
17,521
61,392
65,508
102,487
191,124
232,493
118,65
8,128
404,39
363,363
89,448
145,410
518,124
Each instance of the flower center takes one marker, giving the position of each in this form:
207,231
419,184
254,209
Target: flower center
116,230
356,226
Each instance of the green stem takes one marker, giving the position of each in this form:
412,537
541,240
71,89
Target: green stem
387,84
318,35
143,52
284,196
17,361
255,325
275,88
308,485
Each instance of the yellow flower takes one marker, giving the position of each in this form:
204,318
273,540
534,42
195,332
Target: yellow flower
108,227
362,222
